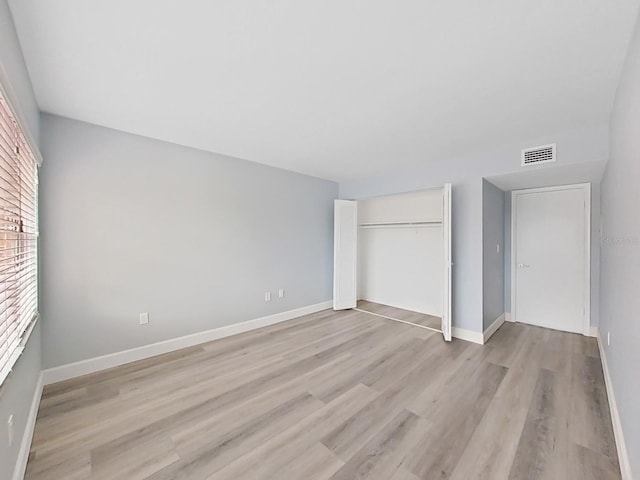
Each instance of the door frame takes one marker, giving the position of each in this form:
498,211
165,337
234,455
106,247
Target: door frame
447,290
586,189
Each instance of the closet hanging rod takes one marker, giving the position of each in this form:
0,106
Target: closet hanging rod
401,224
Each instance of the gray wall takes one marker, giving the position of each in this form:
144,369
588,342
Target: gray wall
16,398
492,260
14,74
130,224
16,394
466,173
620,252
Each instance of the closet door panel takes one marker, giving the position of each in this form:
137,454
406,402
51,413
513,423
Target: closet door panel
345,254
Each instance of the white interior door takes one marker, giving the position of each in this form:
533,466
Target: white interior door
345,254
551,257
446,237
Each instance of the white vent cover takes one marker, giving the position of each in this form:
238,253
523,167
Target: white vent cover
538,155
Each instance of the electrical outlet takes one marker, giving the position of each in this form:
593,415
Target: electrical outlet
267,296
608,339
281,293
10,430
144,318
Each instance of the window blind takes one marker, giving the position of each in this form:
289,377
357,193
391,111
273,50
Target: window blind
18,238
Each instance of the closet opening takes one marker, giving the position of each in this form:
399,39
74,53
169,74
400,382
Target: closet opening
392,257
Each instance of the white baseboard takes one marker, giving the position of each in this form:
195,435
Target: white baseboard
508,317
623,453
25,445
84,367
593,332
468,335
493,328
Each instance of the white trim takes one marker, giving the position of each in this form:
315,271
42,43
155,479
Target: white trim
512,314
507,317
593,332
478,337
447,290
27,436
587,260
621,446
586,188
91,365
493,328
468,335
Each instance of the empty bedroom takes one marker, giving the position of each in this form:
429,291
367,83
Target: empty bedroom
319,240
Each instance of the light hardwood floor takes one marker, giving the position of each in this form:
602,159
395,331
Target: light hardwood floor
337,396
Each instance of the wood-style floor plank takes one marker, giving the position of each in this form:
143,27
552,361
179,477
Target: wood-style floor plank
337,395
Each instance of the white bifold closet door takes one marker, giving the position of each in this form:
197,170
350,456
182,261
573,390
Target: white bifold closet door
345,286
345,254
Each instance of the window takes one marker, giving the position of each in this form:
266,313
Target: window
18,238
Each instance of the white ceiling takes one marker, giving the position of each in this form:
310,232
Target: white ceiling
335,89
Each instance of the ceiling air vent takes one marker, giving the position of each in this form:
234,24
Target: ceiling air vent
538,155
